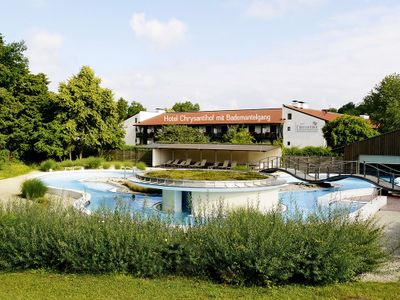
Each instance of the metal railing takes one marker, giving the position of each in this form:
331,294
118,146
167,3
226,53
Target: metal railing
379,174
217,184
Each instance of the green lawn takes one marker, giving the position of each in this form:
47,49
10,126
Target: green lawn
13,169
42,285
205,175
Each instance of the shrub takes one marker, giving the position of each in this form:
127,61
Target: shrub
309,151
244,248
242,168
117,166
33,188
106,165
128,164
93,162
47,165
67,163
252,248
141,165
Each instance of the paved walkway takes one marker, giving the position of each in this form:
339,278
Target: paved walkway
11,187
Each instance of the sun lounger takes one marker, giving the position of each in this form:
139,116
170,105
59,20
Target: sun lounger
233,165
184,163
224,165
200,164
166,163
174,163
214,166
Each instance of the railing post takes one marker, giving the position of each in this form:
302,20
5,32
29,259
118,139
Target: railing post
327,172
364,169
392,180
377,172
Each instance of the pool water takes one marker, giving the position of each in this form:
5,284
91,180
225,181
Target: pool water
306,202
104,195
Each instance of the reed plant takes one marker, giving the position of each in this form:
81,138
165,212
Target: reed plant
33,188
243,247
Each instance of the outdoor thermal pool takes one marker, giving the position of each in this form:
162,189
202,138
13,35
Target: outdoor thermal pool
103,194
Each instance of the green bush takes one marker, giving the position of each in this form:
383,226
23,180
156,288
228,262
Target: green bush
33,188
106,165
141,165
242,168
244,248
47,165
117,166
67,163
309,151
93,162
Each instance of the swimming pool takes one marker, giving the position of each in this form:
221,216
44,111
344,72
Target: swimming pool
103,194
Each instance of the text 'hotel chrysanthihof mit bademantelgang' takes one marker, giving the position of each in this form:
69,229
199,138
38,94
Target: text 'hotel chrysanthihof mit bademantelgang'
213,117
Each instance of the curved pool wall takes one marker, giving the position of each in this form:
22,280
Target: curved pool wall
102,194
202,197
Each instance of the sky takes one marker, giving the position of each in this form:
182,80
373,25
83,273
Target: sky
222,54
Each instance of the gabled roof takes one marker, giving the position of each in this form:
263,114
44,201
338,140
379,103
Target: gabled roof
227,147
320,114
244,116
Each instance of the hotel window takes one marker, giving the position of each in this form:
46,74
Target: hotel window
289,116
135,120
288,143
288,129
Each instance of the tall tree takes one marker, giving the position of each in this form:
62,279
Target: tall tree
347,129
383,103
23,99
135,108
181,134
89,114
186,106
122,109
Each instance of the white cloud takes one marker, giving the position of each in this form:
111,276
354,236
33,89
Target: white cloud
338,66
269,9
160,34
44,54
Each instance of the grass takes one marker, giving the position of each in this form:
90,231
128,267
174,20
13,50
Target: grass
44,285
12,169
205,175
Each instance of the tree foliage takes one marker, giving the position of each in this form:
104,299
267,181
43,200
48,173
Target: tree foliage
186,106
122,109
89,113
236,135
135,108
383,103
181,134
347,129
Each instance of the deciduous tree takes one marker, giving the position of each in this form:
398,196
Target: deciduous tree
186,106
383,103
347,129
92,109
181,134
135,108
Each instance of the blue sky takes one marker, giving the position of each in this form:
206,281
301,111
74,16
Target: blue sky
222,54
